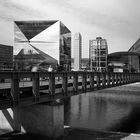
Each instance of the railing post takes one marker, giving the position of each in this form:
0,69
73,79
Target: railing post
84,81
65,83
36,85
15,88
52,84
75,82
91,76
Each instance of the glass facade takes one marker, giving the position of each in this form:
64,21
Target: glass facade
42,41
98,51
65,47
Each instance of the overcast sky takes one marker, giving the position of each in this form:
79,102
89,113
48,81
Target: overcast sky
117,21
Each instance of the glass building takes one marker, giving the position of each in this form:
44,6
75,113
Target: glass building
98,51
42,42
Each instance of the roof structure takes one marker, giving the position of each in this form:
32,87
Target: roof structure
118,54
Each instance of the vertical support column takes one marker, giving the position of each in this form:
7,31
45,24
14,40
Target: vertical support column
108,79
122,78
84,81
36,85
103,79
44,119
113,78
65,83
116,77
120,74
75,82
15,88
16,119
52,84
91,76
98,80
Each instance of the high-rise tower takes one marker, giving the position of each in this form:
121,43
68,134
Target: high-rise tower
77,51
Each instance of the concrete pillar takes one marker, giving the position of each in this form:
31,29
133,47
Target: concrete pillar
43,119
91,76
84,82
10,120
65,83
75,82
35,82
15,88
52,84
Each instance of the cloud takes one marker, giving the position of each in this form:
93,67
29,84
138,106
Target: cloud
115,20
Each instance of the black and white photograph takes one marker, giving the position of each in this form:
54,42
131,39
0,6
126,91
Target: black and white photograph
69,70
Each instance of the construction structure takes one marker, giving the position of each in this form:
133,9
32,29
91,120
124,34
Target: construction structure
98,51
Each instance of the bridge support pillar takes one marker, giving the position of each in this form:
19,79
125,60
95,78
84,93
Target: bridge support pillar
43,119
10,120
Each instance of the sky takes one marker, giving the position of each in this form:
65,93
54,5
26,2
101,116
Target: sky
117,21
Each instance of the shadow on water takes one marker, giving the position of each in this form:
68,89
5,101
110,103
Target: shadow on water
71,134
130,123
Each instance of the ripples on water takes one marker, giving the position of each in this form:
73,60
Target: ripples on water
104,111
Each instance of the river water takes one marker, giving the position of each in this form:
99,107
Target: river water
103,111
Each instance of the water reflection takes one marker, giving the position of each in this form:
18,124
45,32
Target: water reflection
99,112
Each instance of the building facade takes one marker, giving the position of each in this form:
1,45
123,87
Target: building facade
77,51
51,37
98,51
135,60
6,57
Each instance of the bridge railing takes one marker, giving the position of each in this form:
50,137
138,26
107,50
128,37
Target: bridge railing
37,85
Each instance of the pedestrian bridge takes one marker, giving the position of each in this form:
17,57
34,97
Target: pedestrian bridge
20,89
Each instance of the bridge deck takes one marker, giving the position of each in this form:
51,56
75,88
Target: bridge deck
26,88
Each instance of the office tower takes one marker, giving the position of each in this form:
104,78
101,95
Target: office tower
77,51
6,57
98,51
38,40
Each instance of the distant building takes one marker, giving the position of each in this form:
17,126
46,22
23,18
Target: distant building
84,64
6,57
98,51
121,62
77,51
135,60
32,38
